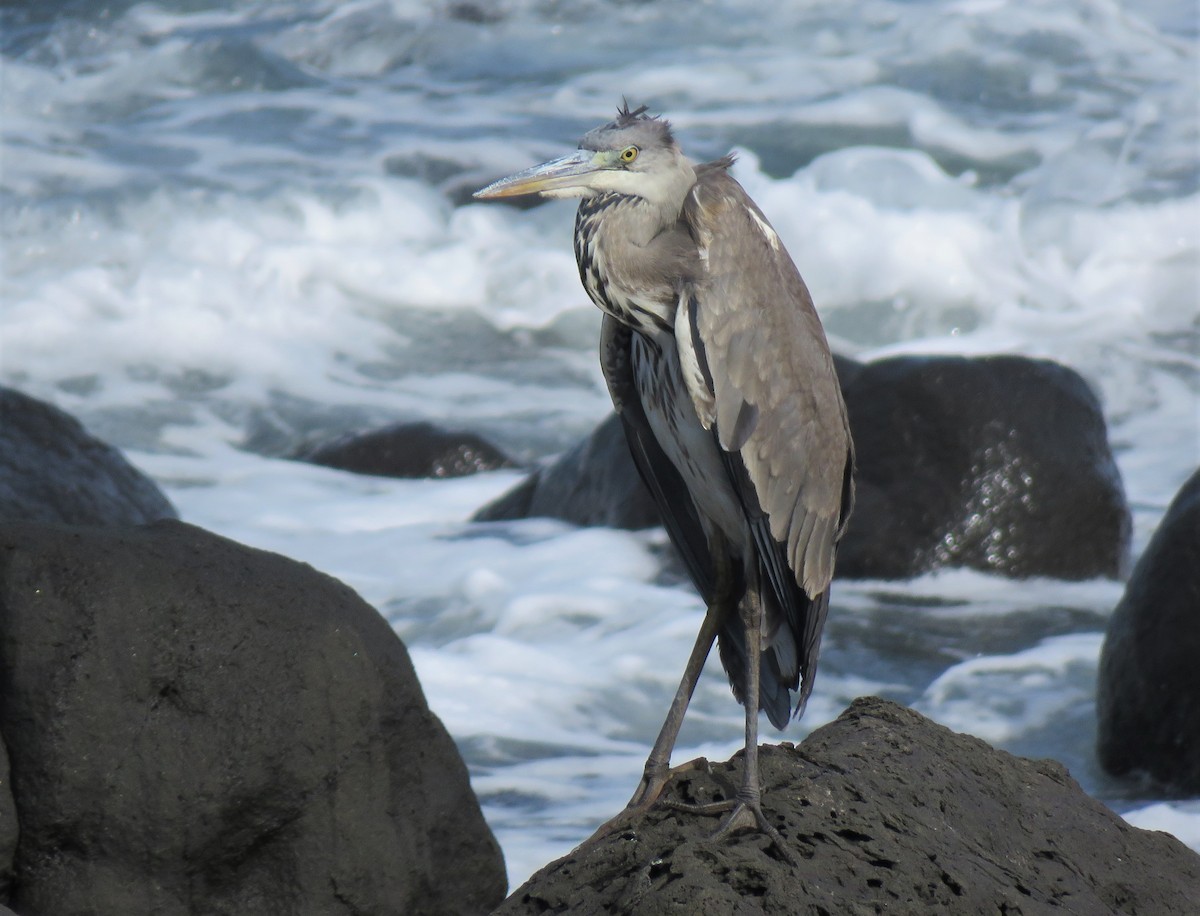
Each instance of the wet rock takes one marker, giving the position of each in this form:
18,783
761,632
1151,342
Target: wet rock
52,470
593,483
885,812
1000,464
409,450
1148,692
196,726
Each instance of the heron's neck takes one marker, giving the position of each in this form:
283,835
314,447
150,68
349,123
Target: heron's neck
633,256
659,204
649,201
644,220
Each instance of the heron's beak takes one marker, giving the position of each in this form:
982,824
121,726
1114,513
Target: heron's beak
567,172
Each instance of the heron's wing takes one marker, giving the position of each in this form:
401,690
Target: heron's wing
664,482
759,370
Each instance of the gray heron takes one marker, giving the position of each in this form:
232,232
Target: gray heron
720,371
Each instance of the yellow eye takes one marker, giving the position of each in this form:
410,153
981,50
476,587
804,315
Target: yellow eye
629,154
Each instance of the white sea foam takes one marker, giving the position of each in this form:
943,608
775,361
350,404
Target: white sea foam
1000,697
1179,818
228,229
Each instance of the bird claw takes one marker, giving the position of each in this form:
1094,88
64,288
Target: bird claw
743,814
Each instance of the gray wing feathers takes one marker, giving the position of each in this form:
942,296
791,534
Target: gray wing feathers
668,489
774,394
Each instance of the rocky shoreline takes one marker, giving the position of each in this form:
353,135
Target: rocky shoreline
190,725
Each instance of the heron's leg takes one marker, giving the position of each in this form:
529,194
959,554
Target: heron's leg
747,810
749,794
657,771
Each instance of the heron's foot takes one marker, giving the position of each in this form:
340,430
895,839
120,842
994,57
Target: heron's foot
655,779
649,790
741,813
749,816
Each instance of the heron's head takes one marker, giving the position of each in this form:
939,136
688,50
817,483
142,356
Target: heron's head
635,155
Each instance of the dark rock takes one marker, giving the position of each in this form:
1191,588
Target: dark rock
1148,693
847,369
409,450
1000,464
8,827
593,483
475,13
53,471
886,812
196,726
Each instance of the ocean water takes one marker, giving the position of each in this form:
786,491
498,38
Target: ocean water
231,228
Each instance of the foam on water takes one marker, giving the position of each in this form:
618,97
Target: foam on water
999,697
1179,818
231,228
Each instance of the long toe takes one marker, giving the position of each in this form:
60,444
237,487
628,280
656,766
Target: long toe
749,815
741,814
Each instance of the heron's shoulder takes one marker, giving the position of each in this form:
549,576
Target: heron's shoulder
721,215
718,166
714,182
717,196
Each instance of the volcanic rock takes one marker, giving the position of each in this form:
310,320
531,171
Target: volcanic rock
1148,693
409,450
884,812
52,470
1000,464
194,726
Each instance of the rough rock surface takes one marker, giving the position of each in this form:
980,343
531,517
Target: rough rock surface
1000,464
409,450
52,470
886,812
198,727
1148,694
